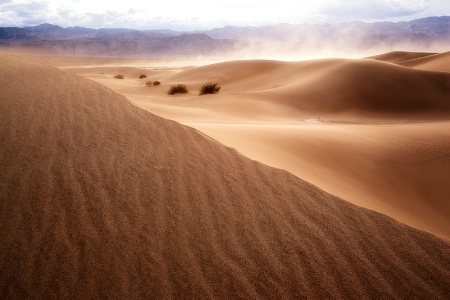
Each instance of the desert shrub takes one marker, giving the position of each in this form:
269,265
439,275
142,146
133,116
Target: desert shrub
152,83
119,76
177,88
209,88
142,76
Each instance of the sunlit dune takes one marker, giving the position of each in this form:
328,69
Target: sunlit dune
101,199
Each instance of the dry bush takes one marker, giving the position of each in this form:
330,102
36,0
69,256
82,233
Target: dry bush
152,83
177,88
209,88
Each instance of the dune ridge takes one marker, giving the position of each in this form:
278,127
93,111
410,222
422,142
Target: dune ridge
101,199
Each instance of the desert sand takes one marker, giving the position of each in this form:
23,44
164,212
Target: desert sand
371,131
101,199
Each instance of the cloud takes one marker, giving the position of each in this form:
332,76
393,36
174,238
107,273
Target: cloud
372,9
23,13
195,14
29,10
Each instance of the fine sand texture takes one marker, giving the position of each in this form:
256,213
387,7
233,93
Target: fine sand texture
103,200
372,132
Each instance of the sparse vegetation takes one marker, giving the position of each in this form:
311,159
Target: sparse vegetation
209,88
119,76
142,76
177,88
152,83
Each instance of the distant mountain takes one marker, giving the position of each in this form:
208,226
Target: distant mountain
280,38
51,39
54,32
421,32
437,28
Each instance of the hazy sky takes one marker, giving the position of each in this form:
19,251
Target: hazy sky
199,14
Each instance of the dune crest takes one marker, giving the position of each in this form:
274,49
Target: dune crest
100,199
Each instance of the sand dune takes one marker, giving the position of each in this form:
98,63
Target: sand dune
438,62
401,170
398,57
425,61
338,89
392,166
100,199
381,160
328,87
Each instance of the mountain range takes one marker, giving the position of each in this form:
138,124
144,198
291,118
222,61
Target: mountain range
53,39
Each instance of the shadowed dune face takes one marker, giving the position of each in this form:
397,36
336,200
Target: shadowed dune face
100,199
385,90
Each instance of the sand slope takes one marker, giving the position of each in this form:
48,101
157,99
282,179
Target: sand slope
100,199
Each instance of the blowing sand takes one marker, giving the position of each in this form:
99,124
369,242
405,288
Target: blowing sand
101,199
